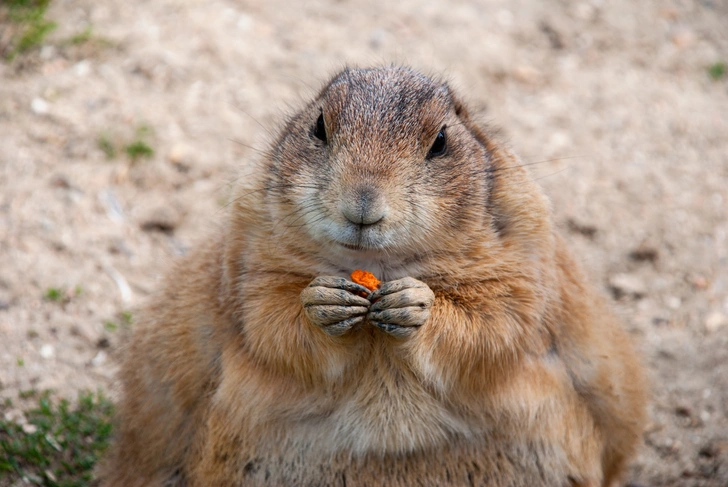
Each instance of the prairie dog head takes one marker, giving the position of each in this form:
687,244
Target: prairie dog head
380,171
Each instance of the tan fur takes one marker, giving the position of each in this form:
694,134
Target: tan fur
517,376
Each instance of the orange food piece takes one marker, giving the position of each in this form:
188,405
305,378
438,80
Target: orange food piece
366,279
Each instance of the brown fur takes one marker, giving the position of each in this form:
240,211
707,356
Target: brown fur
517,376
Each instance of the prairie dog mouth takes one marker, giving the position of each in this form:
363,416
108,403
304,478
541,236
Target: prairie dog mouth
367,239
353,247
362,247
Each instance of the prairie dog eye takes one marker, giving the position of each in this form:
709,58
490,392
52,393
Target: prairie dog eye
319,130
439,147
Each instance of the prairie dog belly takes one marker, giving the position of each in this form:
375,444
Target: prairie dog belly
379,419
490,460
388,432
385,409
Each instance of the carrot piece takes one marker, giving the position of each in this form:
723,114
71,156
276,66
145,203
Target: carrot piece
366,279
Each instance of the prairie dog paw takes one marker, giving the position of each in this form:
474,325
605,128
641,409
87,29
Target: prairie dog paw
334,304
400,307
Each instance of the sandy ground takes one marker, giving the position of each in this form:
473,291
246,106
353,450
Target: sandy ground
610,102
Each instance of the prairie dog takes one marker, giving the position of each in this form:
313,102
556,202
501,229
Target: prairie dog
484,358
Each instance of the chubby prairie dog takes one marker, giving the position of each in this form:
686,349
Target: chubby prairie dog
483,359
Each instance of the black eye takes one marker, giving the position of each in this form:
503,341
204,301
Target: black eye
439,147
319,131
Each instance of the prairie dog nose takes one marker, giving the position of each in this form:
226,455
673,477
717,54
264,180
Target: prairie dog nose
364,206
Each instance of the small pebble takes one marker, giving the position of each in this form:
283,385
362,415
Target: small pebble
585,229
683,411
180,154
644,253
660,321
527,74
700,282
714,448
673,302
39,106
683,38
82,68
161,219
47,52
245,23
47,351
627,285
99,359
715,320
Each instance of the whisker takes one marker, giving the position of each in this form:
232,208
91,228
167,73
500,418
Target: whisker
552,174
263,152
265,129
492,170
302,212
272,187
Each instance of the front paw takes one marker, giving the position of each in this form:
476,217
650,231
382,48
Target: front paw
334,304
400,306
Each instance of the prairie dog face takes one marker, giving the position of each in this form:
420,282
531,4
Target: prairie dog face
379,170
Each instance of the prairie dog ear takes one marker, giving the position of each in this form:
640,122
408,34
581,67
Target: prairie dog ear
519,210
460,108
464,115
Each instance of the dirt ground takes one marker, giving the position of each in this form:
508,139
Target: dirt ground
610,101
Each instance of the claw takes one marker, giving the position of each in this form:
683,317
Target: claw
338,329
394,330
332,304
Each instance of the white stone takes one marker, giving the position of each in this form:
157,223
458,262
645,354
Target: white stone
47,351
99,359
47,52
628,285
715,320
39,106
245,23
82,69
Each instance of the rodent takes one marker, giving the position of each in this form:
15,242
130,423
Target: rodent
484,358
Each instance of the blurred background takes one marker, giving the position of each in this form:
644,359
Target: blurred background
123,126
